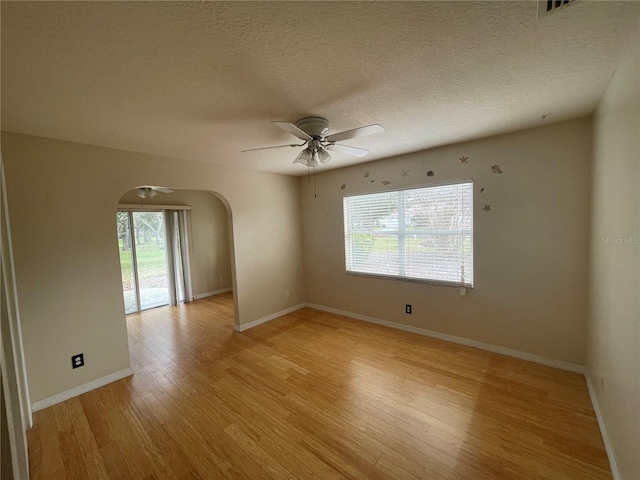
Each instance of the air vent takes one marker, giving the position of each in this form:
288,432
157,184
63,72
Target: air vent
547,7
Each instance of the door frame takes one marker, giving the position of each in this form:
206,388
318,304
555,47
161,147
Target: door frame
13,371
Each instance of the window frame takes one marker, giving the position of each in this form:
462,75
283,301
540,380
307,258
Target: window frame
426,281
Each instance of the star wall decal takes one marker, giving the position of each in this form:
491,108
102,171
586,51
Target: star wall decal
405,173
464,159
495,169
487,208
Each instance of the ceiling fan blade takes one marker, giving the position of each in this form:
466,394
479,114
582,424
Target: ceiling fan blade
293,130
356,132
353,151
277,146
162,189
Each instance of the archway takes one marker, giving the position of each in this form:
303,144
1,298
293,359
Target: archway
203,233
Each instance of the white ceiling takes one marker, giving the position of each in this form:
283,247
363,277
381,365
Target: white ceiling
202,80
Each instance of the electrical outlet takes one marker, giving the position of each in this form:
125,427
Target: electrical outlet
407,308
286,294
77,360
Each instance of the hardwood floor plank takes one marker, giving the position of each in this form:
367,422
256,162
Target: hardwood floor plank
313,395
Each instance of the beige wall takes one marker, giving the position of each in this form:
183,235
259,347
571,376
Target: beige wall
62,199
530,249
613,358
209,248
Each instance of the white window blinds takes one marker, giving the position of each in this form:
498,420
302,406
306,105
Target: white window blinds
418,234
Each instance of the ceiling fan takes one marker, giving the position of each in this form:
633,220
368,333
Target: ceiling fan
314,130
150,192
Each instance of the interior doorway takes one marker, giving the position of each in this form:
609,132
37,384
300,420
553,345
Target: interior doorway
153,258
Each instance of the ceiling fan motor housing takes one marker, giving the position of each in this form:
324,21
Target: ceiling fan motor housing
316,127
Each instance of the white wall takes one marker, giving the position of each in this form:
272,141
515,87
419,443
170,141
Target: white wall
209,248
613,356
530,249
63,198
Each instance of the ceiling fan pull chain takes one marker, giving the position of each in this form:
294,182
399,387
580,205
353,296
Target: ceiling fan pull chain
315,190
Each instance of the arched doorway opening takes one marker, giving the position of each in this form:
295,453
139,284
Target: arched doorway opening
175,246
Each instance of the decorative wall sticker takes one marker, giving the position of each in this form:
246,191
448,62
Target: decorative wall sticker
405,173
487,208
496,169
366,175
482,190
463,159
385,182
430,173
344,185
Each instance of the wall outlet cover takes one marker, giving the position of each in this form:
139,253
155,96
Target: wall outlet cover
407,308
77,360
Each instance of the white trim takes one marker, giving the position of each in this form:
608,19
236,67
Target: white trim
126,207
603,430
260,321
74,392
571,367
210,294
13,376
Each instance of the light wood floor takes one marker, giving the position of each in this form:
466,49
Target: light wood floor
315,395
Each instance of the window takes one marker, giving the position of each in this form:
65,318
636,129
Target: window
423,234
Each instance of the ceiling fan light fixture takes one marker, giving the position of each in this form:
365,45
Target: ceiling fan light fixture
305,157
323,155
147,192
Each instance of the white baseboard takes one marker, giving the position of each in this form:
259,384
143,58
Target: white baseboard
603,430
74,392
268,318
571,367
210,294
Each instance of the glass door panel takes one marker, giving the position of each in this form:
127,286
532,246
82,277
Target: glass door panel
151,259
127,263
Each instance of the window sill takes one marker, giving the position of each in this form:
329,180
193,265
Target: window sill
441,283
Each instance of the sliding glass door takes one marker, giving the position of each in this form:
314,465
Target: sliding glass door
152,259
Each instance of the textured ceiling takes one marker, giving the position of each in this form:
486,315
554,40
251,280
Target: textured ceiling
202,80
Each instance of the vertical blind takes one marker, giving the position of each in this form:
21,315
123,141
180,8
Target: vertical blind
418,234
